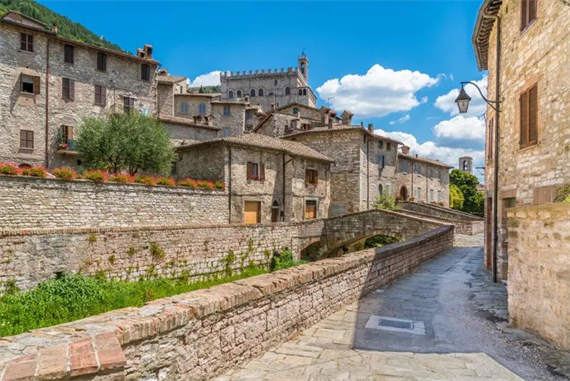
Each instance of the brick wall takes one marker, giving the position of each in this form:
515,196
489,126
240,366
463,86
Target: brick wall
27,203
539,270
201,334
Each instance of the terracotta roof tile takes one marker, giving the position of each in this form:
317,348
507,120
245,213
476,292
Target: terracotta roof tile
170,78
185,122
344,127
425,160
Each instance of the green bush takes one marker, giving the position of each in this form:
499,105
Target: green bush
563,194
285,260
385,201
379,241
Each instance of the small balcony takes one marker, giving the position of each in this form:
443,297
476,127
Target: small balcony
66,147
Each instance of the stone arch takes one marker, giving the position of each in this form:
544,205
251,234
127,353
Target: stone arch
231,94
239,95
404,193
252,93
260,93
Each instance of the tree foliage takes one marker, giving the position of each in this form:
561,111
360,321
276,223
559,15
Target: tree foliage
455,197
473,198
385,201
65,26
125,142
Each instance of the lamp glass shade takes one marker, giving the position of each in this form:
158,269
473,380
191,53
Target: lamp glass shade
462,101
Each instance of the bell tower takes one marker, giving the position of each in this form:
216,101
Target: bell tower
303,67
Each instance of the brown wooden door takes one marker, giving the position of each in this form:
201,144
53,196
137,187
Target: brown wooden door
251,212
310,209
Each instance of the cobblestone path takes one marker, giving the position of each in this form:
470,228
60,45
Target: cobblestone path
445,321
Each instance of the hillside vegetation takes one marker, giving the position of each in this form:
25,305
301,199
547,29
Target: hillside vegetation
66,27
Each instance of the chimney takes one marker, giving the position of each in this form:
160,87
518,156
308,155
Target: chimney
371,128
405,150
54,28
273,107
346,117
331,122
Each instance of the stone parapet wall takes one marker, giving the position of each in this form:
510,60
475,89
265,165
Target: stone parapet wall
30,203
199,335
539,270
465,223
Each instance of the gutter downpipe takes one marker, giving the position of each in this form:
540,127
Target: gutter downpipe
283,190
496,164
368,174
230,184
47,106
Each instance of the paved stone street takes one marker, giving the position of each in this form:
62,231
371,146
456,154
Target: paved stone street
445,321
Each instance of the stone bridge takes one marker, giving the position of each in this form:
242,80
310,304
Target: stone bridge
464,223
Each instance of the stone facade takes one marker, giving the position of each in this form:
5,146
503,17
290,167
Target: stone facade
45,69
266,88
539,270
202,334
280,189
539,55
27,203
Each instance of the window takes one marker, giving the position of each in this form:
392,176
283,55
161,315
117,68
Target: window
184,108
101,61
311,177
528,13
260,92
388,146
439,175
419,193
227,110
529,117
239,93
438,196
490,139
145,72
431,172
68,53
389,189
304,91
202,109
26,139
252,93
255,171
431,195
173,168
310,209
275,211
295,110
128,104
300,91
66,136
380,189
231,94
248,115
287,91
404,166
226,132
380,144
26,42
275,83
100,95
381,161
68,88
29,84
418,169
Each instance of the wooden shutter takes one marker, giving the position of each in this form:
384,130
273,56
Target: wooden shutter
72,89
23,42
249,170
307,176
524,119
103,95
533,115
36,85
261,172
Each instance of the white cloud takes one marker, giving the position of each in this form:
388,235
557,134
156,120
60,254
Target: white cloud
209,79
477,106
377,93
403,119
461,131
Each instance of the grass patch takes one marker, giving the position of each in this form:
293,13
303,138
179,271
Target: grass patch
73,297
285,260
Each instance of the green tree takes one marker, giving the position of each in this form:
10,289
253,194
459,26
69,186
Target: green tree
385,201
125,142
473,198
455,197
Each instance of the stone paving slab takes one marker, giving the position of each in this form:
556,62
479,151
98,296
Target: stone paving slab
466,333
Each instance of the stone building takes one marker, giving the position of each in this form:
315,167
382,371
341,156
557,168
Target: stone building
48,83
421,179
466,164
525,46
267,179
293,118
271,87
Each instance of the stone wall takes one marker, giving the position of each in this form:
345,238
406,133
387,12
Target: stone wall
539,270
28,203
464,223
202,334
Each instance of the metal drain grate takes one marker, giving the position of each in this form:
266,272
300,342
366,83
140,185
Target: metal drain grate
396,324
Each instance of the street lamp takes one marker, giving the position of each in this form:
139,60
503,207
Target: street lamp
462,101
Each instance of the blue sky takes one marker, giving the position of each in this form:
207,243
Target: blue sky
393,63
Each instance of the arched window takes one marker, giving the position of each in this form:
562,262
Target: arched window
239,93
184,108
287,91
231,94
304,91
380,189
252,93
300,91
260,93
202,109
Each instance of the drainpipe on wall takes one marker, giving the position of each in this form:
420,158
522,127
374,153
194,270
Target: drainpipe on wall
284,179
230,184
368,174
496,164
413,170
47,105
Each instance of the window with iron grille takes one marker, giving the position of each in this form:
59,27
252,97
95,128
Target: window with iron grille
528,13
101,61
26,42
68,53
529,117
100,95
26,139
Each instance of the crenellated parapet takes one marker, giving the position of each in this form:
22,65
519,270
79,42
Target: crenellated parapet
258,73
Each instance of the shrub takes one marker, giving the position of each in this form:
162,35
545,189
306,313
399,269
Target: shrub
156,251
37,171
123,178
166,181
146,180
96,176
385,201
284,260
10,169
190,183
219,185
563,194
204,184
64,173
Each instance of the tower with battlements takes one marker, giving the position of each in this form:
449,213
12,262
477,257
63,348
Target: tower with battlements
278,87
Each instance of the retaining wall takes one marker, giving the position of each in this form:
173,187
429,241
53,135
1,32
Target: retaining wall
465,223
199,335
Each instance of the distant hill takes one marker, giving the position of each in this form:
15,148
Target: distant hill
65,26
